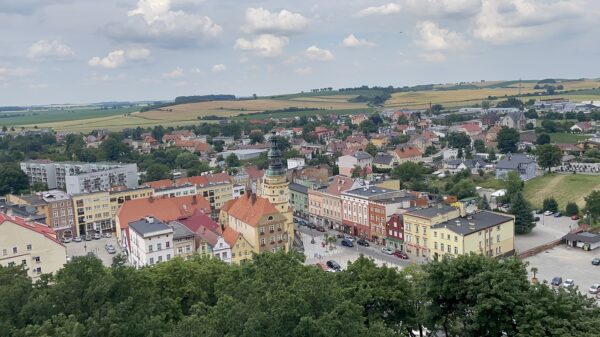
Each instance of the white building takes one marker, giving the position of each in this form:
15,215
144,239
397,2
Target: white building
450,154
293,163
244,154
81,177
222,250
151,242
175,191
238,191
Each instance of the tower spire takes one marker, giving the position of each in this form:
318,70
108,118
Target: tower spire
275,160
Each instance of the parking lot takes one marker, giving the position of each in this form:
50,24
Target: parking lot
546,230
567,262
96,247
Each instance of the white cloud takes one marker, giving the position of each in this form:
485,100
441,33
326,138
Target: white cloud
303,71
14,72
164,22
260,20
434,57
508,21
116,58
266,45
175,73
352,41
218,68
49,49
387,9
318,54
443,8
432,37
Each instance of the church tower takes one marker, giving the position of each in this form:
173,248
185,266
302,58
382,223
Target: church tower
275,187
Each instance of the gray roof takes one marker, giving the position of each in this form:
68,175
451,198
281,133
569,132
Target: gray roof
512,161
144,227
474,223
362,155
470,163
369,191
383,158
180,231
431,212
585,237
298,188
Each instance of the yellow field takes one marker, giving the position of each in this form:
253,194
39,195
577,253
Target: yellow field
421,99
568,85
332,98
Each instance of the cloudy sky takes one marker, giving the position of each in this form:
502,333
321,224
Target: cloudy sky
76,51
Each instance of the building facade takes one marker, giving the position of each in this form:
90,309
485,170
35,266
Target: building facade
417,225
93,213
394,228
299,200
523,164
151,242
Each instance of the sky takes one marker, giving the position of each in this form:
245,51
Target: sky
83,51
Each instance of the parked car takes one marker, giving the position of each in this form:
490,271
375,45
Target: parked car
594,288
334,265
362,242
311,225
556,281
575,217
537,218
557,215
111,250
596,261
319,228
87,238
106,235
569,283
349,237
77,239
301,222
96,236
66,240
108,245
347,243
400,255
387,251
548,213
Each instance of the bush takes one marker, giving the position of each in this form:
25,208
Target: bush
550,204
571,209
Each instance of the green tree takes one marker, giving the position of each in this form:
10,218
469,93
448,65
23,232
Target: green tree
491,155
257,137
550,204
479,146
592,205
507,140
521,209
372,149
513,184
232,160
571,209
186,160
356,171
458,140
548,156
12,179
367,126
157,172
408,171
465,188
113,149
542,139
402,120
483,203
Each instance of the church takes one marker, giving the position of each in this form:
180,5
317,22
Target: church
263,218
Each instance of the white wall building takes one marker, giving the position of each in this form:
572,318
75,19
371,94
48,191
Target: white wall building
238,191
175,191
222,250
293,163
151,242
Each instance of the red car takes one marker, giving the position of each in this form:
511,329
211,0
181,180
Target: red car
401,255
575,217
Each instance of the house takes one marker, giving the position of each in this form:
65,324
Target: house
347,163
379,140
450,153
356,142
384,161
240,247
583,240
523,164
151,242
31,245
514,120
322,133
582,127
293,163
408,153
325,205
299,200
394,229
184,244
458,165
357,119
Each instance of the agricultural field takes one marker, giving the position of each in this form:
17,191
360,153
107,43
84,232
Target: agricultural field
40,117
566,138
562,187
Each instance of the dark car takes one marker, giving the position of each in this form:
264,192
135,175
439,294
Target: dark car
363,242
334,265
401,255
301,222
320,228
537,218
311,225
556,281
557,215
347,243
596,261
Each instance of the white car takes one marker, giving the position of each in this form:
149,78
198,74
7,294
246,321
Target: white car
594,288
568,284
387,251
548,213
349,237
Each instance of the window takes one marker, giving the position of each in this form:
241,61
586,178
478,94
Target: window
179,250
498,238
424,230
168,257
151,260
160,258
435,245
4,252
24,262
435,234
498,227
38,270
455,238
448,237
479,233
416,229
449,249
158,246
168,244
150,248
15,250
442,246
29,248
456,250
188,248
37,259
224,255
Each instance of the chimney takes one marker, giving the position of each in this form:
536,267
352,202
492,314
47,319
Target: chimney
151,199
194,199
253,198
457,223
149,219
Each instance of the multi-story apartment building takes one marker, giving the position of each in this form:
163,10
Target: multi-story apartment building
348,163
93,213
417,225
80,177
175,190
118,195
355,209
151,242
184,244
60,214
394,238
299,200
325,204
30,244
482,232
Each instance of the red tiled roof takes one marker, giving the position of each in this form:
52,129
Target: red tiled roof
251,208
407,152
160,183
199,220
253,172
33,226
339,184
230,236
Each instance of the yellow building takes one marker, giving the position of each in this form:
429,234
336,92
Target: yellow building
241,249
30,244
216,188
93,213
483,232
119,195
417,227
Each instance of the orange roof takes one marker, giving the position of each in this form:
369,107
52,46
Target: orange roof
250,208
339,184
230,236
165,209
160,183
253,172
33,226
407,152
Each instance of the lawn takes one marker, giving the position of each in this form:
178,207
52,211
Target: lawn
562,187
566,138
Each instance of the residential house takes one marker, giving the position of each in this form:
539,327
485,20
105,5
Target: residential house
523,164
514,120
93,213
384,161
347,163
408,154
394,237
458,165
418,223
31,245
184,244
582,127
151,242
379,140
357,119
323,134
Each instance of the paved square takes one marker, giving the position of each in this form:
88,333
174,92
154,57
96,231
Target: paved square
546,230
96,247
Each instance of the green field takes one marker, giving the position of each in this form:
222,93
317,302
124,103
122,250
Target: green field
566,138
562,187
58,115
